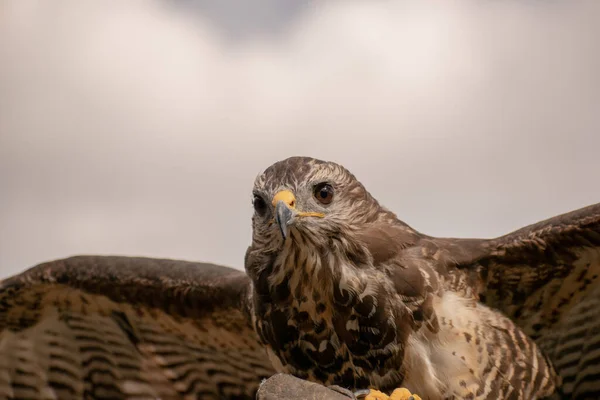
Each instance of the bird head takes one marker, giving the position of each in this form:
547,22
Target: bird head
308,197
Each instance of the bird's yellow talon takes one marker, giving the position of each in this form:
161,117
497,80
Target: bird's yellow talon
403,394
398,394
376,395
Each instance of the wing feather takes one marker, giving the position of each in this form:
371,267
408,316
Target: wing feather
574,347
546,278
538,273
125,328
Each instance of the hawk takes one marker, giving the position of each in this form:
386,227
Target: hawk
337,289
344,293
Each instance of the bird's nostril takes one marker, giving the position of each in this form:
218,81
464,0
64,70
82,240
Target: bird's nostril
293,203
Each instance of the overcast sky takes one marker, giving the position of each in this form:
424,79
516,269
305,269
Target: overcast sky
138,127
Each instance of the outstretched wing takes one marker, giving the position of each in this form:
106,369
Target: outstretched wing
546,278
124,328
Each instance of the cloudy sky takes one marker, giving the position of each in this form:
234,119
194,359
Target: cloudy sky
138,127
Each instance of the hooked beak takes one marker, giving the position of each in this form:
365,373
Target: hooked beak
284,216
286,213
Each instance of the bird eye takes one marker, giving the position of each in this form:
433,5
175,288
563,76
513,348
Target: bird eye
323,193
260,206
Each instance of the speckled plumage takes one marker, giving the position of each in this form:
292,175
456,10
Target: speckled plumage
358,298
128,328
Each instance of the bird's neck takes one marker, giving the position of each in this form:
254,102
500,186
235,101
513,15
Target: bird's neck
306,275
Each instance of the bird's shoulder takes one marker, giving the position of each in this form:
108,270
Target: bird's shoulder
416,264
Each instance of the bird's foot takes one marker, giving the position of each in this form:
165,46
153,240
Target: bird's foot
398,394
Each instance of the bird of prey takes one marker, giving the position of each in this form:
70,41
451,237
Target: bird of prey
337,290
344,293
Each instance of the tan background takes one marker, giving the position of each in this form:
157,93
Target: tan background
138,127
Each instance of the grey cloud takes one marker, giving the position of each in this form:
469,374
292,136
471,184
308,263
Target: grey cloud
242,21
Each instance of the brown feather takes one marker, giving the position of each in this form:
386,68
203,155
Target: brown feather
385,241
119,327
542,276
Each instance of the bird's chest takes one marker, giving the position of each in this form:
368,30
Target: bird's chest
343,333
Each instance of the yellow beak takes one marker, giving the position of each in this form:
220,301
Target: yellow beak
284,203
289,200
287,197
